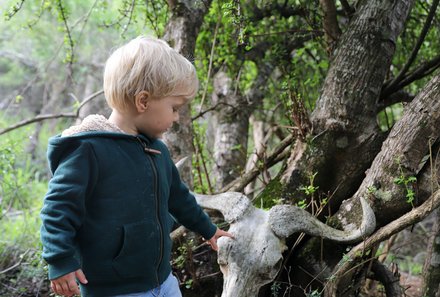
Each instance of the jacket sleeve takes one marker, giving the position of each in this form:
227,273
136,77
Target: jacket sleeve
183,207
64,207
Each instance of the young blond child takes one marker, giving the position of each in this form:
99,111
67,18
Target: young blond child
114,193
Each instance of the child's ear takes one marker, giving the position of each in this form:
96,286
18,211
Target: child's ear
142,100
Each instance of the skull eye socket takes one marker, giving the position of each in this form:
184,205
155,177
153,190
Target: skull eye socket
222,262
270,272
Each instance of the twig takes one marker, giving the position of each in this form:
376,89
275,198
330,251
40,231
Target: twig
43,117
201,114
69,36
152,20
130,17
201,163
15,9
16,264
211,58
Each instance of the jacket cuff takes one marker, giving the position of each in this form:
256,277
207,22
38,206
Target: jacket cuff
211,232
62,267
208,230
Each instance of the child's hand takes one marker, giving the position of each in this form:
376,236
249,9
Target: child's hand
219,233
66,285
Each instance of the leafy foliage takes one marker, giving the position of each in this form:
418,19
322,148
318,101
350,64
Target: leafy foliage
52,53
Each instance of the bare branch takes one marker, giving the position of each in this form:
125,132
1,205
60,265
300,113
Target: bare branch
355,255
63,15
172,4
347,8
330,23
420,72
387,278
277,155
399,96
19,57
43,117
268,10
16,264
38,118
417,47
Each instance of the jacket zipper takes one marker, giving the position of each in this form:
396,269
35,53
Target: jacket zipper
149,151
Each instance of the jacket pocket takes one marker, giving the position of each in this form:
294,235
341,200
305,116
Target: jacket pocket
139,253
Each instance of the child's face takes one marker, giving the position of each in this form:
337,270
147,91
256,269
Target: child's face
160,115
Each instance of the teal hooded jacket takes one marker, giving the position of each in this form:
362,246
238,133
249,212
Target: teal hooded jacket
109,210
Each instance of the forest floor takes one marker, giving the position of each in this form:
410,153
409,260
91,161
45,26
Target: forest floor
411,287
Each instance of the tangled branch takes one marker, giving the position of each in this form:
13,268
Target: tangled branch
359,251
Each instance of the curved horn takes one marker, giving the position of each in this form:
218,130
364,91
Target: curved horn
288,219
231,204
180,163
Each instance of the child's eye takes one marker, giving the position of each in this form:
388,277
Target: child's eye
175,109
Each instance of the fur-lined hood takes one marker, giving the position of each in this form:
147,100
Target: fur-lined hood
94,122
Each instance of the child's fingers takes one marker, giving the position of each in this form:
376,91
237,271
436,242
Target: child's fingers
73,288
227,234
57,288
81,277
54,288
213,243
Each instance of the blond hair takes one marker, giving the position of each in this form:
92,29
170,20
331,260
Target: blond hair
147,64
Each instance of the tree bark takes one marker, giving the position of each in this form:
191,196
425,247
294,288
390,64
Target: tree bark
405,153
260,144
345,135
330,24
181,33
231,133
97,105
232,122
387,278
431,271
345,138
335,288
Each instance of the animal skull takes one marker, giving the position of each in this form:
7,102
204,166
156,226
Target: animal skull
254,257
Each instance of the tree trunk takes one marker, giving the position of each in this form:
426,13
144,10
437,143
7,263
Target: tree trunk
345,137
231,121
391,182
181,33
97,105
345,133
231,133
431,271
260,143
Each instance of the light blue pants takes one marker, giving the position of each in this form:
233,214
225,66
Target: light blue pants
169,288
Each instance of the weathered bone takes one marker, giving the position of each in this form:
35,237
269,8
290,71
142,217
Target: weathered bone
232,205
288,219
254,257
